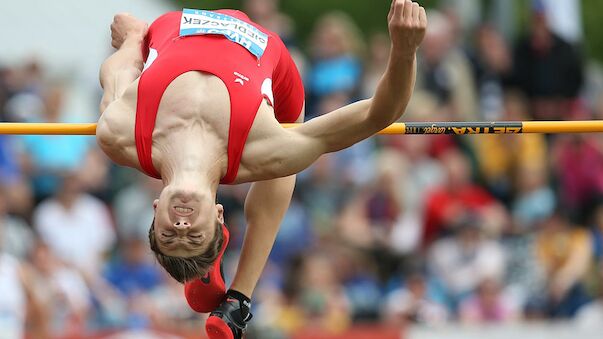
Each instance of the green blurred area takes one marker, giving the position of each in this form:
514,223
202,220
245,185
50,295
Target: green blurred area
370,15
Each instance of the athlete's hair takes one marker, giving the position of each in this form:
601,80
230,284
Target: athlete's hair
186,269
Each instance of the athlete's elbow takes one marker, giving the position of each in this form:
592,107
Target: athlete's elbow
381,117
106,136
378,120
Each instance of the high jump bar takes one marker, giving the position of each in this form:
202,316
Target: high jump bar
459,128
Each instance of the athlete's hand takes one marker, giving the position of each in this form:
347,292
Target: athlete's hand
407,23
125,26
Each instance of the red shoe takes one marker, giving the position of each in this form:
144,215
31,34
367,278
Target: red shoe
205,294
229,320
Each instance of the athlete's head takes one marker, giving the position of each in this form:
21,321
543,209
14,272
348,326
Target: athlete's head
186,233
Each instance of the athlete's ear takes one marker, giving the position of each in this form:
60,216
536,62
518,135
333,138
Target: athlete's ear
155,203
220,210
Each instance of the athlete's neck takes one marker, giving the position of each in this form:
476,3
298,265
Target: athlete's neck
189,162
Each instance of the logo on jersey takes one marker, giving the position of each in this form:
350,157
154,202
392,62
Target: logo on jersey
240,78
200,22
152,56
266,90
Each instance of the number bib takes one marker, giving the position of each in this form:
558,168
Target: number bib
200,22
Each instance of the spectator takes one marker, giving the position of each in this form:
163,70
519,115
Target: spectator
295,235
578,165
16,237
565,253
133,272
63,291
320,296
493,66
76,226
335,49
445,72
358,272
321,194
535,200
466,259
45,157
169,311
16,185
133,207
379,48
590,316
413,303
446,204
266,13
500,157
597,233
18,299
547,69
488,305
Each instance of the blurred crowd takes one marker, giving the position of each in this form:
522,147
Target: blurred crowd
393,231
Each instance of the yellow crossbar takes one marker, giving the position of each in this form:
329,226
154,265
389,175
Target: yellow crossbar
548,127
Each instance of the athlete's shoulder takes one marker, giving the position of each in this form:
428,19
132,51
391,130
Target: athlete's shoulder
169,15
166,19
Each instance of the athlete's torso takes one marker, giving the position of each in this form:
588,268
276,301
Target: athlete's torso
212,84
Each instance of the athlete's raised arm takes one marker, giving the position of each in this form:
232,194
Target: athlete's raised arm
125,65
286,152
344,127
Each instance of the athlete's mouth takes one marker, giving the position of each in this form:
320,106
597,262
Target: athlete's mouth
183,211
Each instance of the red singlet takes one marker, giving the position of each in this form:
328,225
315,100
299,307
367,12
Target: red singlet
248,81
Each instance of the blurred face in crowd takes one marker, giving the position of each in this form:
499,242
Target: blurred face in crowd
416,286
438,39
458,169
335,35
531,178
71,189
556,223
43,258
135,251
541,34
380,48
54,98
493,49
261,9
469,236
318,272
488,293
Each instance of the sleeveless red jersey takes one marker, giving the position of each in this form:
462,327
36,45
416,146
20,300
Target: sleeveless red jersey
249,80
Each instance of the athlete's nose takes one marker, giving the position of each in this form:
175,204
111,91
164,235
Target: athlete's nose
182,224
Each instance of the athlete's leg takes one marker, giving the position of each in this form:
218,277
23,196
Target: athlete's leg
125,65
265,207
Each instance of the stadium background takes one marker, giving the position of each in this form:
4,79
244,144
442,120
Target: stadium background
417,236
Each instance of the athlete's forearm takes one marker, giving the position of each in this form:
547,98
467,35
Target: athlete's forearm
265,207
407,23
121,69
394,90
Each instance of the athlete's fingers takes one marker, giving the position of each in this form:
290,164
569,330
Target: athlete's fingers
416,10
423,17
399,11
391,11
408,11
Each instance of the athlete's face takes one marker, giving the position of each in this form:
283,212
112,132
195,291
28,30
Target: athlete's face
185,222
